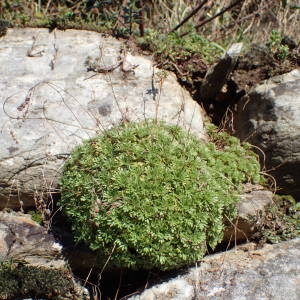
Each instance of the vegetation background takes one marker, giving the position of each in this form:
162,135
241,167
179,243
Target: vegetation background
220,22
184,36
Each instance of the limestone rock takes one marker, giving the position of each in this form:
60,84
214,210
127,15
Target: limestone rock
31,262
272,272
254,199
269,118
219,73
50,103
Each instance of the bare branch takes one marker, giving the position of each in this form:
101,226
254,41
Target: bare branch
189,16
214,16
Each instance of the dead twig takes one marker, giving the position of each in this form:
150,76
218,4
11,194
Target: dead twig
213,17
33,52
190,15
140,6
119,285
97,67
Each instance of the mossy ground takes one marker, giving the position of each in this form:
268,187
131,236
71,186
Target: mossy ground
18,279
279,222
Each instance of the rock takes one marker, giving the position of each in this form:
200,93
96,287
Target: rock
257,56
218,91
219,73
31,262
255,199
50,103
272,272
22,238
268,117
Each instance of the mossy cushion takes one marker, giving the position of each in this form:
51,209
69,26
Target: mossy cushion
149,195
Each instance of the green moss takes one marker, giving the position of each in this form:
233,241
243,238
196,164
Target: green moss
277,49
149,195
18,279
36,216
280,221
172,48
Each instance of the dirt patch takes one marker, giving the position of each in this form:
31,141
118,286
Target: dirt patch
258,65
254,66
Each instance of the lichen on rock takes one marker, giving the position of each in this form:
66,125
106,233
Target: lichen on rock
20,279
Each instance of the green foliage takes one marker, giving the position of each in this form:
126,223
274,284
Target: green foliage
36,216
275,46
280,221
89,15
19,279
172,47
225,143
149,195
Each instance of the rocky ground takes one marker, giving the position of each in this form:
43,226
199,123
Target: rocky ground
19,114
253,66
245,272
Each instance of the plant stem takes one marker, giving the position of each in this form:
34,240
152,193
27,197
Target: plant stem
214,17
193,12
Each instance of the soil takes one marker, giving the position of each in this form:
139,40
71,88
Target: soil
254,66
251,70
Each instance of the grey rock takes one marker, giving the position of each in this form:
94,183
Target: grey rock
254,200
268,117
272,272
219,73
50,103
23,239
38,264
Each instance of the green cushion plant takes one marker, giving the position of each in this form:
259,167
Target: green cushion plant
149,195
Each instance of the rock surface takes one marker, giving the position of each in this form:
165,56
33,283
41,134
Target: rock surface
22,238
31,262
50,102
272,272
219,73
254,199
269,119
